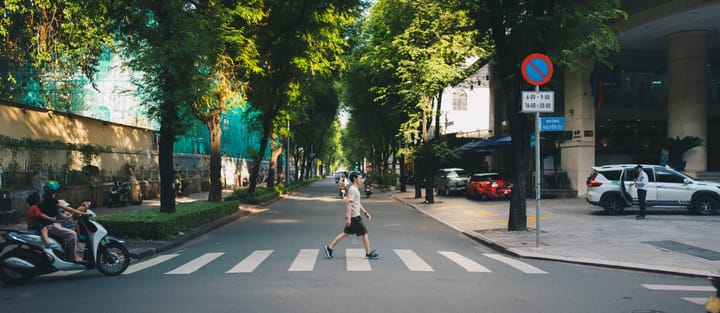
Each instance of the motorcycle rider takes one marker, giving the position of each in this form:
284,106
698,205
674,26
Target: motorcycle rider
50,207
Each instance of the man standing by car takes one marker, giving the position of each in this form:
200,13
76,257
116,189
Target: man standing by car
641,183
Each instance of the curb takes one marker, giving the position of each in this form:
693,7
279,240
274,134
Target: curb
500,247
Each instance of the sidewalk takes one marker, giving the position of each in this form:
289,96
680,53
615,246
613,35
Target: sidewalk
668,241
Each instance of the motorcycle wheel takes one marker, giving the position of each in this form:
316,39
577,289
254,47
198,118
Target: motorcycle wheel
11,276
113,259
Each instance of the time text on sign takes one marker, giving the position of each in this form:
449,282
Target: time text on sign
538,101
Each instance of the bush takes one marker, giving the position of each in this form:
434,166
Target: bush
263,194
153,224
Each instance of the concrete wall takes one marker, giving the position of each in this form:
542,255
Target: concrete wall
128,144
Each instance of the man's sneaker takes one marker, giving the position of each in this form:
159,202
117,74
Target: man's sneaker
372,255
52,245
328,252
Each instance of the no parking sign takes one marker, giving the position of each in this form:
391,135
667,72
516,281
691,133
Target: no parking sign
537,69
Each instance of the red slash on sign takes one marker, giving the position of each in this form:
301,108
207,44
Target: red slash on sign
537,69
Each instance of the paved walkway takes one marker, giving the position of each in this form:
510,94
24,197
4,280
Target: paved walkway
667,241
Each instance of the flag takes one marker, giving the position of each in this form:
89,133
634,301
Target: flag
597,82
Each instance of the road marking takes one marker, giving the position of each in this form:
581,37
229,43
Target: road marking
700,301
250,263
468,264
152,262
194,265
413,262
521,266
305,261
679,288
63,273
356,261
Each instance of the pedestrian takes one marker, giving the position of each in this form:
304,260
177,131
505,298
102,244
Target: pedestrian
641,183
353,220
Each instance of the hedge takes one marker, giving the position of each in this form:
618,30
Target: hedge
152,224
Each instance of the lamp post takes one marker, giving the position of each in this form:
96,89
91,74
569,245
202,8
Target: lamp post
287,155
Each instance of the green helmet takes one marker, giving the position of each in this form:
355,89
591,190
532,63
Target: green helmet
52,185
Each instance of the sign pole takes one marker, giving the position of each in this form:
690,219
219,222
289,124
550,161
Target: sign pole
537,69
537,175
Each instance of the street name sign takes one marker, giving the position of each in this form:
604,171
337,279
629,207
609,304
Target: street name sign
538,101
552,124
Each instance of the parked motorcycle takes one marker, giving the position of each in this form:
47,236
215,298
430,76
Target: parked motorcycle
120,195
368,190
24,254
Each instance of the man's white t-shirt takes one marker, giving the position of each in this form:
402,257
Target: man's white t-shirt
642,181
353,195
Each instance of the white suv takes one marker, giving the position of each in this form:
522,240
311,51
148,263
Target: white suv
612,187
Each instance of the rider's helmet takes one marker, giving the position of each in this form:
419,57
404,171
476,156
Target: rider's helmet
52,185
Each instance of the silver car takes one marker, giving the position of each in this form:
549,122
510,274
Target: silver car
451,180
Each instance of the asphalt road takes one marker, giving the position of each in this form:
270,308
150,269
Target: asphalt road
272,262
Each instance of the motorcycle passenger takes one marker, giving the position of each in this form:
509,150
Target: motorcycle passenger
50,207
36,220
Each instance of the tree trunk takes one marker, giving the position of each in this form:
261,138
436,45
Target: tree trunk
428,157
275,152
438,112
213,125
167,168
267,131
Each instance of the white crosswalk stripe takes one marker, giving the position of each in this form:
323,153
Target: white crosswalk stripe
305,261
688,288
249,264
356,261
679,287
194,265
413,262
468,264
521,266
149,263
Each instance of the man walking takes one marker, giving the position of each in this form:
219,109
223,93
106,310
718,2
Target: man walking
641,183
353,219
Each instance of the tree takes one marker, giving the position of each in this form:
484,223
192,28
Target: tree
50,43
570,32
231,58
433,51
165,41
295,38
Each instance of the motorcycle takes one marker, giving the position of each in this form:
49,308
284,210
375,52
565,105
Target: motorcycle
342,190
120,195
368,190
28,256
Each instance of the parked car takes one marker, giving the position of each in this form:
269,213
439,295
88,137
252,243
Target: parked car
488,186
612,187
451,180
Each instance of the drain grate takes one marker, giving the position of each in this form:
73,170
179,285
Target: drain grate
687,249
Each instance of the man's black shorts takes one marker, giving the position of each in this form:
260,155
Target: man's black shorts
356,227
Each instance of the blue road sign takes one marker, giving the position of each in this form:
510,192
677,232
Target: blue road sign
552,124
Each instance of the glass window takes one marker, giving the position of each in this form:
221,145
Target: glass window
667,176
612,175
460,101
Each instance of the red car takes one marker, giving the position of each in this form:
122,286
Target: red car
488,186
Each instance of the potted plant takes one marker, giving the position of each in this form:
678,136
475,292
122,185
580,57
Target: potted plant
390,179
676,147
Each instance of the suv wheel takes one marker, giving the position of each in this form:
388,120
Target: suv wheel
613,204
705,205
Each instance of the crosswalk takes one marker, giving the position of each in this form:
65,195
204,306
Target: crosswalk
685,288
355,261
